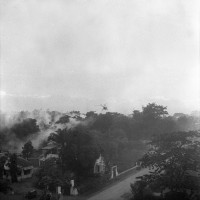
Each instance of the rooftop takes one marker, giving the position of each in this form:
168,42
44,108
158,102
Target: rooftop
23,162
51,145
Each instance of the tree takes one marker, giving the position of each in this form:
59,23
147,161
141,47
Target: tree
103,122
13,167
63,120
186,123
79,151
91,114
141,191
151,120
137,115
153,111
50,175
59,137
25,128
112,143
27,150
53,115
2,162
76,114
171,157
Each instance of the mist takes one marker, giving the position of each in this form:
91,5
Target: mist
66,55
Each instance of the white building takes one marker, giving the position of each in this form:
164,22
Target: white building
99,166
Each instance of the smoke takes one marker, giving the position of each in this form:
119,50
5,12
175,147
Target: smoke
47,121
74,120
11,143
7,120
18,127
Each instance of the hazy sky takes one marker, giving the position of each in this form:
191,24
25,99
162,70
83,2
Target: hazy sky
76,54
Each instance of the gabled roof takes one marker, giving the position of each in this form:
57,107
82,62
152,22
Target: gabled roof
23,163
51,145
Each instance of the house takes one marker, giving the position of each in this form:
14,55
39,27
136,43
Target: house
51,148
50,151
99,166
25,169
34,159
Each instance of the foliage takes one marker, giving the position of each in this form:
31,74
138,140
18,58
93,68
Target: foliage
58,137
112,134
50,183
153,111
103,122
79,151
111,143
53,115
171,157
91,114
27,150
141,191
25,128
2,162
186,123
150,120
50,175
64,119
13,167
76,114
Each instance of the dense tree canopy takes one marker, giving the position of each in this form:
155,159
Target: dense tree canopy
13,167
79,150
64,119
153,111
141,124
50,175
117,137
27,150
2,162
172,158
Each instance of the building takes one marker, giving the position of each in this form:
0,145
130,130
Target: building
99,166
52,150
25,169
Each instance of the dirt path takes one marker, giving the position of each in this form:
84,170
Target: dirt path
116,191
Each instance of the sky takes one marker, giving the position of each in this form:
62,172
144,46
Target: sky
77,54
